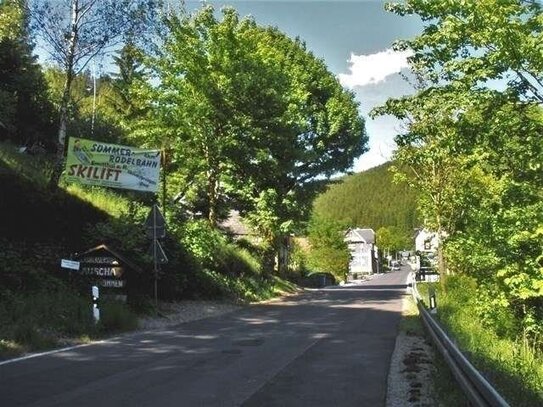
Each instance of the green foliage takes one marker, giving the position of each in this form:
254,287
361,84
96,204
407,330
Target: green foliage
106,200
213,251
393,239
329,251
367,199
370,199
511,364
246,289
117,317
235,261
125,230
34,168
223,268
200,239
298,257
474,152
232,99
26,116
11,15
36,319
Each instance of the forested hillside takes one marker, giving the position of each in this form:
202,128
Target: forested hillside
369,199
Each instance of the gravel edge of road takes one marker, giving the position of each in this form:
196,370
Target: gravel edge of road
411,370
186,311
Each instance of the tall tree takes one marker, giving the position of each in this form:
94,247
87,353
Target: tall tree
75,32
313,130
25,112
488,135
392,239
252,114
329,251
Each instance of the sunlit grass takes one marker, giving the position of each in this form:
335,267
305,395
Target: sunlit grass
512,365
410,322
283,286
10,348
108,201
36,168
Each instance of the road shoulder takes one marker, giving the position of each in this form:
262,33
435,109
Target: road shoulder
410,379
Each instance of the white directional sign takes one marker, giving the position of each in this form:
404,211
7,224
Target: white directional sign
69,264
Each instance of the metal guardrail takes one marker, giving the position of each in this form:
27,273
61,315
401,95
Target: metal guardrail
477,389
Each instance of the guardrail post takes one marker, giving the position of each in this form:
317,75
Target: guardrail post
433,304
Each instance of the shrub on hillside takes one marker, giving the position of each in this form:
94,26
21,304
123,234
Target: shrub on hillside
37,319
117,317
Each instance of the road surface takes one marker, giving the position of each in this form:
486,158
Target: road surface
328,347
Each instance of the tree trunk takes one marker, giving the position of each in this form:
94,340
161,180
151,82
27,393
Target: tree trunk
164,180
61,141
73,37
282,251
212,195
440,259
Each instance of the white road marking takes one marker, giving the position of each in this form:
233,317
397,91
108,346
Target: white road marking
51,352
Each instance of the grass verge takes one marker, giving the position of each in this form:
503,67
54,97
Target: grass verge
446,390
509,364
48,319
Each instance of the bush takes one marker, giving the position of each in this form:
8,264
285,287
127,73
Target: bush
37,319
233,261
510,363
117,317
32,337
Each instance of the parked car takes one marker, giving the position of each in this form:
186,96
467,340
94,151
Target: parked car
394,265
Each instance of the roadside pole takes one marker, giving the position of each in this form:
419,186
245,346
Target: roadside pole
95,310
156,229
155,263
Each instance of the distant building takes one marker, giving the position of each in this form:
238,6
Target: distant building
364,252
426,241
235,226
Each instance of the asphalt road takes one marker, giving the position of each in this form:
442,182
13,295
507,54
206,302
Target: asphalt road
328,347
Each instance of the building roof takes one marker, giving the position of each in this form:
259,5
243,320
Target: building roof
234,225
360,235
114,253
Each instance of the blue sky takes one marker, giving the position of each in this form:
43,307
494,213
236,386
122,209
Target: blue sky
354,38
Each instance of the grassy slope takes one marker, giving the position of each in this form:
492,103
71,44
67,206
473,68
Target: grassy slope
38,228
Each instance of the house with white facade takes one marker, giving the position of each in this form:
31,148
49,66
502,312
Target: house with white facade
364,252
426,241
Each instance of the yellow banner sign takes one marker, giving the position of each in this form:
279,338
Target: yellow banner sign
110,165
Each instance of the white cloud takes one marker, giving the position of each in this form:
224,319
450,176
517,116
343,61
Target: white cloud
374,68
381,145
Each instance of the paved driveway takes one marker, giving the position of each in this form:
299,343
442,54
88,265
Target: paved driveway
328,347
